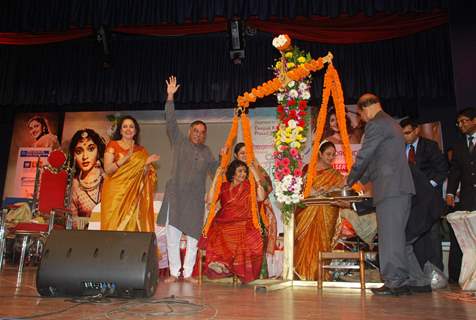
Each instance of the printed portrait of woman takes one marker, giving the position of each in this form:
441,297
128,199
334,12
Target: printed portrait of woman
87,151
356,123
332,132
40,132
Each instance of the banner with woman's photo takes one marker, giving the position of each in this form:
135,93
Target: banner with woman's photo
85,134
34,136
355,130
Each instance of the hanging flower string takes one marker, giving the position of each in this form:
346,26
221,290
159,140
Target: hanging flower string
332,87
245,124
225,159
338,97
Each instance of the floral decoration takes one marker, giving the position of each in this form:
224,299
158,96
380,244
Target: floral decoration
290,134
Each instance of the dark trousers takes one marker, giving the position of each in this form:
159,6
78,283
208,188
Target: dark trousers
428,247
454,259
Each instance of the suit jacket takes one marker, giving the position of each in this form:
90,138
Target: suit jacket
427,206
431,161
382,160
463,170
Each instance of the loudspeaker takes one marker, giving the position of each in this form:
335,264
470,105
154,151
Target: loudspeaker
113,263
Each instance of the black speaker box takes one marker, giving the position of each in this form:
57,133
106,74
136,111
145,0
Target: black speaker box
113,263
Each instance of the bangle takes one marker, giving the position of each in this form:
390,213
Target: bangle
117,165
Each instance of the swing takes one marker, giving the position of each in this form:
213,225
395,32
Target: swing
240,114
332,87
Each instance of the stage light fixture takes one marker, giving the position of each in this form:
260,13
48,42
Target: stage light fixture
237,41
103,36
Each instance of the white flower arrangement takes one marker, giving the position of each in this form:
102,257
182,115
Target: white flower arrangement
288,190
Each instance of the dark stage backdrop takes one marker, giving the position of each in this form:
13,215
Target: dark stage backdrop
54,15
408,73
413,75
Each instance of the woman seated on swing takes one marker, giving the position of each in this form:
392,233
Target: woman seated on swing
264,180
234,245
315,225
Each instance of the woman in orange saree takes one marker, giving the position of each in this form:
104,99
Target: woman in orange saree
127,194
315,225
233,244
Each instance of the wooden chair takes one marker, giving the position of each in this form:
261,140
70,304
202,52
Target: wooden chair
329,256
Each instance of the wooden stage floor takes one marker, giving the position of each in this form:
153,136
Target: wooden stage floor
225,301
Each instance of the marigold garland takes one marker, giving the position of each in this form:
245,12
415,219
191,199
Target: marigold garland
245,124
320,124
271,86
332,87
225,159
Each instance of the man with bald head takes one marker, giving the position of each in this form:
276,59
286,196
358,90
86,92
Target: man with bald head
382,161
183,205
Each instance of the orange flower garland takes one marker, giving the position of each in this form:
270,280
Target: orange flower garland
225,159
332,87
271,86
245,124
338,97
320,124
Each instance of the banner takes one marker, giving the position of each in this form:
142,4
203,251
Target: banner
34,134
27,161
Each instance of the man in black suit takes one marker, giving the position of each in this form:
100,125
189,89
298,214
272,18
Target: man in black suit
427,157
462,171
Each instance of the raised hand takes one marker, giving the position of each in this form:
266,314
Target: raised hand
152,158
172,87
223,151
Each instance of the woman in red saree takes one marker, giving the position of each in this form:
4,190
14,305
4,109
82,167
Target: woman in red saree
265,181
233,245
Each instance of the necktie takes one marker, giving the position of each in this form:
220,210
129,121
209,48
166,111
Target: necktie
470,144
411,155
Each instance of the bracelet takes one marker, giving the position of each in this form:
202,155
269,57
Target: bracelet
117,165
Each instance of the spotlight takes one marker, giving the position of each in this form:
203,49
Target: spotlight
237,41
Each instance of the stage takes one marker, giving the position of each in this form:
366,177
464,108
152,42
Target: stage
225,301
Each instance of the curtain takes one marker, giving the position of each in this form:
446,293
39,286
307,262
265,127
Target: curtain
70,75
353,29
342,30
60,15
28,38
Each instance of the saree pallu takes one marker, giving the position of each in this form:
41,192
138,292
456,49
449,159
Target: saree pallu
127,196
315,227
232,240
